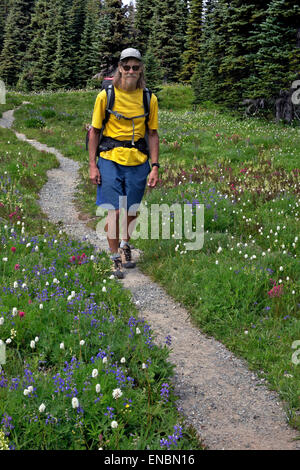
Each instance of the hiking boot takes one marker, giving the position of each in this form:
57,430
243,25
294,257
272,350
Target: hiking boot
118,273
125,253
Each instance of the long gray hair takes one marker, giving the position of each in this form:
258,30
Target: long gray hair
141,83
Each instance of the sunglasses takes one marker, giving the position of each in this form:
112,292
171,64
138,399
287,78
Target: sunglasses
135,68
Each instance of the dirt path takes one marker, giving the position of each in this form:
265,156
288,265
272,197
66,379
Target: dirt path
228,405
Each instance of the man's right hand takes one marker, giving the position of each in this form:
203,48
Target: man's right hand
95,176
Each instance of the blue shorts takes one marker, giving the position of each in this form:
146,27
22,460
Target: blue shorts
120,180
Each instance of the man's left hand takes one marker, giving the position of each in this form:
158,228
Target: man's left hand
153,177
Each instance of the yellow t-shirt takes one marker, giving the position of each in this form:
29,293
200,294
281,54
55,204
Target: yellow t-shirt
129,104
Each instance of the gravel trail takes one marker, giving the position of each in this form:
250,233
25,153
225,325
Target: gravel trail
228,405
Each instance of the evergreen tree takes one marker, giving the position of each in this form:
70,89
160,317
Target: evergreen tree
190,56
167,37
207,76
238,61
15,41
153,72
143,17
76,21
4,8
89,47
38,24
277,60
115,34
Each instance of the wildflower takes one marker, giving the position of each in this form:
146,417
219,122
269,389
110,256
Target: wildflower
41,306
42,408
13,249
36,248
104,360
75,402
144,366
246,332
276,291
98,388
123,360
14,311
82,342
1,320
103,289
138,331
94,373
15,285
3,441
117,393
114,424
4,259
36,339
32,344
17,266
62,346
164,393
8,341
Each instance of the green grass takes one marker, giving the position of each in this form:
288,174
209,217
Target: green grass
246,173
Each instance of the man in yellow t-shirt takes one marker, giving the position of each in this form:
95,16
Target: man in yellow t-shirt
123,166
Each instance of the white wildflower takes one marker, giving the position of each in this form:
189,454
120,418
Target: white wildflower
62,346
1,320
95,373
114,424
32,344
82,342
117,393
75,402
103,289
42,408
123,360
98,388
138,331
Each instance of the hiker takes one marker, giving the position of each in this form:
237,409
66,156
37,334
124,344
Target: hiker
123,164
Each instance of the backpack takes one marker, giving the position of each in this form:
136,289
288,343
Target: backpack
108,143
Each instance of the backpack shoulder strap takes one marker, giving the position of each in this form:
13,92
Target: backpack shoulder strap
146,99
110,99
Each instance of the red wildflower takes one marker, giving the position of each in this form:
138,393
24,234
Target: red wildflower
21,314
276,291
13,249
17,266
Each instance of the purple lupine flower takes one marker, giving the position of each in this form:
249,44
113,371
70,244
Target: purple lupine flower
164,392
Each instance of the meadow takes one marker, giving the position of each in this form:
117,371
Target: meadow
81,367
242,287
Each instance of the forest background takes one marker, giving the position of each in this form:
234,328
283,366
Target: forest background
228,51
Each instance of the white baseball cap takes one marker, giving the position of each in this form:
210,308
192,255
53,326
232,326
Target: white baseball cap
130,52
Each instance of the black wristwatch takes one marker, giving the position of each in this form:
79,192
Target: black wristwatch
155,164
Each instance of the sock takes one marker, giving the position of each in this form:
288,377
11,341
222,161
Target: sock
123,243
114,256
